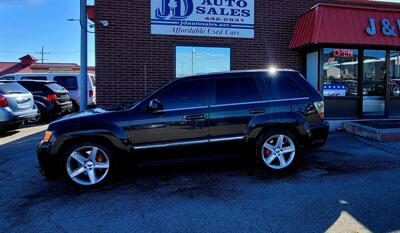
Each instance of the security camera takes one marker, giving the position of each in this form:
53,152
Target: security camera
103,23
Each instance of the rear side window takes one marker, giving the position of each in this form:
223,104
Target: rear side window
281,87
55,87
11,88
184,94
35,87
236,90
34,78
69,82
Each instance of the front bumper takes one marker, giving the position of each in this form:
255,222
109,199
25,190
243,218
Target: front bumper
319,134
49,162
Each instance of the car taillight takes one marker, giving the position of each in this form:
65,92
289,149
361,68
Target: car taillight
320,106
52,97
3,102
90,93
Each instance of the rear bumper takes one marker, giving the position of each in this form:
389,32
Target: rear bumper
10,118
58,109
319,134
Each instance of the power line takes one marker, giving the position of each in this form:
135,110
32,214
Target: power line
42,53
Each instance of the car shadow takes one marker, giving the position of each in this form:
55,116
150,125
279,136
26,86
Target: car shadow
4,134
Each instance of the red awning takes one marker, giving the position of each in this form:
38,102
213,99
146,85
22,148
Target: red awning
346,25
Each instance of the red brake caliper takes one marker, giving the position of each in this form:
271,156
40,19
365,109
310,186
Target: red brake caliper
267,152
100,157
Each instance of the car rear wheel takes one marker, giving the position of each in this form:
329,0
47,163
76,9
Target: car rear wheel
38,117
277,151
88,164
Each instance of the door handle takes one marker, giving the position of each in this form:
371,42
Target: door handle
194,117
257,111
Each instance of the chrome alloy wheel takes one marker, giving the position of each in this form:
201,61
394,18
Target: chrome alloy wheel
278,151
88,165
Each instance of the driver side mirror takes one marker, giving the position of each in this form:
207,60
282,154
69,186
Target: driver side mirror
155,105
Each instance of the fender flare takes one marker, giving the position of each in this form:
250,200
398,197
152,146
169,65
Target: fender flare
291,119
111,133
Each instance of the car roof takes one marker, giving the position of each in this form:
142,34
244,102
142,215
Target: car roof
36,81
239,72
44,74
7,81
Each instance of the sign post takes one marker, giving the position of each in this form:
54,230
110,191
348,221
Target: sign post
83,67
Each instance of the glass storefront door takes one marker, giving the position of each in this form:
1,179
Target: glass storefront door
394,84
374,66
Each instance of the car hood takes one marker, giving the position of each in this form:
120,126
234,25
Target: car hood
90,112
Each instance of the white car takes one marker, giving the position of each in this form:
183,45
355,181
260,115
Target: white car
70,81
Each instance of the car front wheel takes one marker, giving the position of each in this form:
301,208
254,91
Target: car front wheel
277,151
88,164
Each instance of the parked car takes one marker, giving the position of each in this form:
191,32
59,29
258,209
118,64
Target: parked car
68,80
51,99
275,114
16,105
394,87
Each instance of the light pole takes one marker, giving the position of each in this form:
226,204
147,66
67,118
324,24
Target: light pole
83,69
193,53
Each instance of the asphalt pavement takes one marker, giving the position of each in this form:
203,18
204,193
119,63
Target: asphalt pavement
350,185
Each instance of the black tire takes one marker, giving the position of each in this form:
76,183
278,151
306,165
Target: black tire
75,106
41,117
273,167
103,148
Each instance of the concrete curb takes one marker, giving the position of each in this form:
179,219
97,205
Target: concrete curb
381,135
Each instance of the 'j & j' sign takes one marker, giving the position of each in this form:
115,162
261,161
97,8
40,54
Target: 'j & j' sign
217,18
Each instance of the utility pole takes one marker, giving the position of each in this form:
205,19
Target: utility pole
83,70
42,53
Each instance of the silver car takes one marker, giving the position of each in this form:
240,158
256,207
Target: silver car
16,105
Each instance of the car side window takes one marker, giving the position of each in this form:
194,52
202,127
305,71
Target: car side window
184,94
69,82
281,87
236,90
34,78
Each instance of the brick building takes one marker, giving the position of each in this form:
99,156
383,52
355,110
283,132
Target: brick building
142,47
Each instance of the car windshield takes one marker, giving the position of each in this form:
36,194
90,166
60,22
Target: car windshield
11,88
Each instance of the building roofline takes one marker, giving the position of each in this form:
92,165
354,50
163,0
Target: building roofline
347,6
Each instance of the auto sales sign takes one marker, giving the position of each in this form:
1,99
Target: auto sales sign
216,18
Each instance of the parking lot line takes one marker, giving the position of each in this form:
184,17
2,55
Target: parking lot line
21,133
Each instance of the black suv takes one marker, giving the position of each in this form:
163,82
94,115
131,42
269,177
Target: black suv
51,99
274,113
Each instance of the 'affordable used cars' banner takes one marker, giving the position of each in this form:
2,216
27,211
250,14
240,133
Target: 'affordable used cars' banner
217,18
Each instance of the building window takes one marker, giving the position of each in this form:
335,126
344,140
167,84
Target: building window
394,81
200,60
340,72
